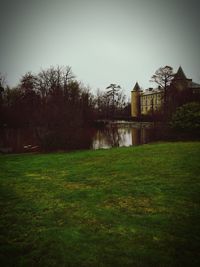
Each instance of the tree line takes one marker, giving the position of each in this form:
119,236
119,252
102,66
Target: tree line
58,107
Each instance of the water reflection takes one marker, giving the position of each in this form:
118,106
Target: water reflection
109,137
143,135
18,140
127,135
113,135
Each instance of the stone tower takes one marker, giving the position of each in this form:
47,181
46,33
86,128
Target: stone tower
135,101
180,81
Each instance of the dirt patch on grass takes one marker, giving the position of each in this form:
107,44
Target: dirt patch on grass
131,204
77,186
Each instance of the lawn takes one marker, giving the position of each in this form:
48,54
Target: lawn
136,206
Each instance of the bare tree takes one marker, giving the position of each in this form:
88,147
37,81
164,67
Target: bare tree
2,79
2,86
54,79
28,82
163,77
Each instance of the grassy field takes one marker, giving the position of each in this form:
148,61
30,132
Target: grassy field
137,206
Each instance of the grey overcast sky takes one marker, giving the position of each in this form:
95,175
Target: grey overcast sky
104,41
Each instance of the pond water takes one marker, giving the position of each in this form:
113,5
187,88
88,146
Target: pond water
114,134
124,134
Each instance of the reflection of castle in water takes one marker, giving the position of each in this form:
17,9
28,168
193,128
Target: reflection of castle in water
117,136
142,135
136,136
114,135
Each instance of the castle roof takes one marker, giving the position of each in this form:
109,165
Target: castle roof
136,87
180,75
152,91
193,85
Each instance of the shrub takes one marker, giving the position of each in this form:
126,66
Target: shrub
187,118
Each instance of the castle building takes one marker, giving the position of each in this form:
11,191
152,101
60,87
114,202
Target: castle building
151,100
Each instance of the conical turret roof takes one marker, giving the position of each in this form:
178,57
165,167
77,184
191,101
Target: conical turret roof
136,87
180,75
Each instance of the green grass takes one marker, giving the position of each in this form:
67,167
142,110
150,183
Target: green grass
137,206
